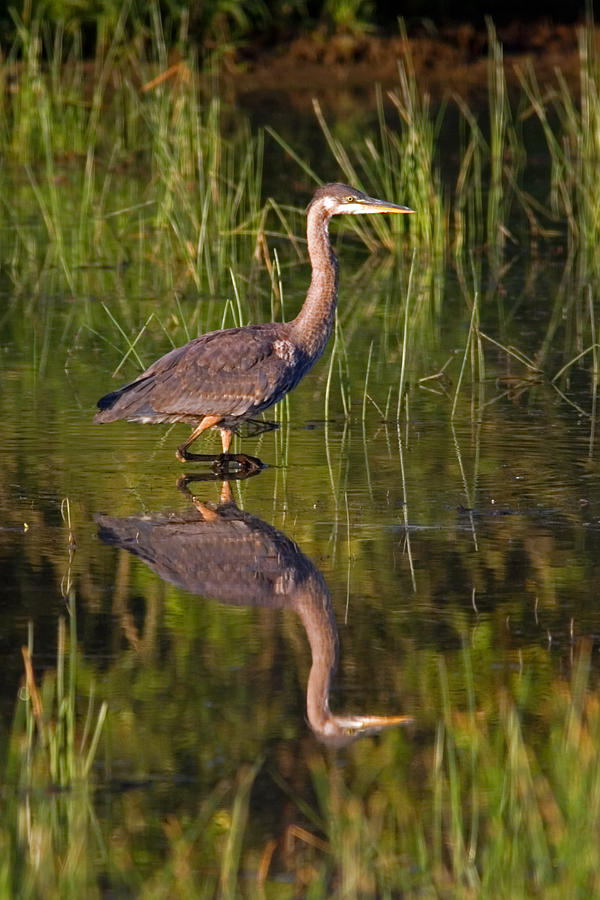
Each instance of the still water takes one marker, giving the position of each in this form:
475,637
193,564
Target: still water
383,572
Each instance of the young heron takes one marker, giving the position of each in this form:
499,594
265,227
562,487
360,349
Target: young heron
224,377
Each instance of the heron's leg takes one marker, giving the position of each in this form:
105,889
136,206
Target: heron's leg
237,464
207,422
226,435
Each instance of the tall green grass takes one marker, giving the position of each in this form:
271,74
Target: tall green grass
136,128
571,127
140,165
403,161
141,113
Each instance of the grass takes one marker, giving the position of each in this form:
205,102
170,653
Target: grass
218,28
73,150
126,195
146,106
55,749
403,161
573,144
51,840
488,211
201,199
51,755
146,172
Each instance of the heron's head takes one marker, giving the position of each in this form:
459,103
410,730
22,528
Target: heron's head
335,199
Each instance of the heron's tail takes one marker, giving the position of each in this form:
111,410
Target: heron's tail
123,403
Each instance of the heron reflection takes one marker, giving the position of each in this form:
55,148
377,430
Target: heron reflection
225,553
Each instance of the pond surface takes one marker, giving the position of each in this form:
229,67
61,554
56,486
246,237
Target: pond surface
393,567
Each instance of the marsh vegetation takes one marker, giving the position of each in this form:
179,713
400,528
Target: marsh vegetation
439,469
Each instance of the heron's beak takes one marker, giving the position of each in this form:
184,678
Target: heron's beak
371,205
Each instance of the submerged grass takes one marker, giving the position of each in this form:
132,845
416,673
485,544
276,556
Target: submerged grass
51,755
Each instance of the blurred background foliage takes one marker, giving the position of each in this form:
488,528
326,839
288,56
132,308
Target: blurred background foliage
263,23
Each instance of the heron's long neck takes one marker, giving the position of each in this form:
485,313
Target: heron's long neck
312,326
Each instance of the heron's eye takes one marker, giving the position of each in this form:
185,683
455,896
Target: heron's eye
351,199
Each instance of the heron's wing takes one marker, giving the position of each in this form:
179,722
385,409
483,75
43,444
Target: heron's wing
221,373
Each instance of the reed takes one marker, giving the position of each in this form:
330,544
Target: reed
571,127
198,201
506,153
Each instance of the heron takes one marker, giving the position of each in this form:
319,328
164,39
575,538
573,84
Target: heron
222,378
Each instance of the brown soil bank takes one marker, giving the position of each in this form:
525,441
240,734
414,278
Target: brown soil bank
453,59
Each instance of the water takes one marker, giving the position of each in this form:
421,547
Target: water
422,566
